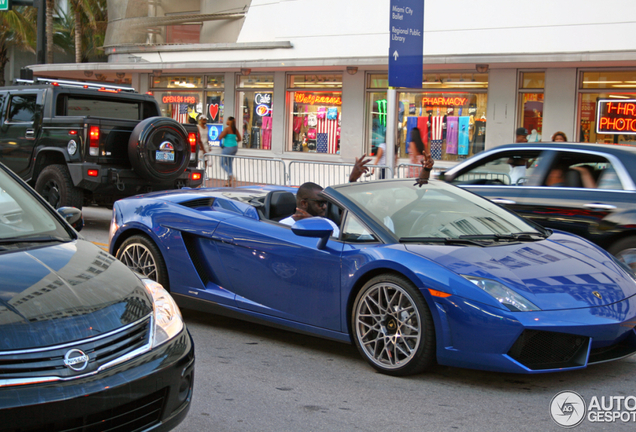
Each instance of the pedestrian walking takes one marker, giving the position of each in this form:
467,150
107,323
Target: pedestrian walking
229,141
203,139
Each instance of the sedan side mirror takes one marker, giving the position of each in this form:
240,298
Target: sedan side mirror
316,227
73,216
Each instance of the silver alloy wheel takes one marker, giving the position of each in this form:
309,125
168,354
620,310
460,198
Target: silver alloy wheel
388,325
628,256
140,259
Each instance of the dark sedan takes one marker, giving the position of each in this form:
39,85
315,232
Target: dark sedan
586,189
85,343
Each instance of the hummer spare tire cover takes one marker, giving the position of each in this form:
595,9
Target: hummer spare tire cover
158,149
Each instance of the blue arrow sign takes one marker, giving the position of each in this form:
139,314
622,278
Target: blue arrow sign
406,47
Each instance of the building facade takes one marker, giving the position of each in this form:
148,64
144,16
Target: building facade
308,79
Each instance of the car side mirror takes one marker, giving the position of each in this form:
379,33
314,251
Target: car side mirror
441,176
73,216
315,227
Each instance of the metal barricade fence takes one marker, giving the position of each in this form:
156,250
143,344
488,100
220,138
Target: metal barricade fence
246,170
413,171
329,174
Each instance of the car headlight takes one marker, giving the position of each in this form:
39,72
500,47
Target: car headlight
167,316
504,295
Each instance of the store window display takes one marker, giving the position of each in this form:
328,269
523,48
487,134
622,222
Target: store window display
185,99
255,94
315,117
595,85
531,86
452,125
451,116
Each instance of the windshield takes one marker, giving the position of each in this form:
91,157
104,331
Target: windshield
23,218
435,210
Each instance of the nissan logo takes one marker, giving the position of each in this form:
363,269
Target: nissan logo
76,360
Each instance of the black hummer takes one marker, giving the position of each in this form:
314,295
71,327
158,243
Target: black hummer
79,143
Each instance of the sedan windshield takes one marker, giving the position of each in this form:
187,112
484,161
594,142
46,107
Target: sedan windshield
437,212
24,221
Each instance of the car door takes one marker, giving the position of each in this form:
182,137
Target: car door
21,124
501,176
274,272
591,212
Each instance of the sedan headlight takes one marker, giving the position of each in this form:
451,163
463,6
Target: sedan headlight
504,295
167,316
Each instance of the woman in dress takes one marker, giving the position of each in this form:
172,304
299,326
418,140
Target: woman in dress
230,137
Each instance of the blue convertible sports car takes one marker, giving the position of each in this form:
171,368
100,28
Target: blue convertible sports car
418,274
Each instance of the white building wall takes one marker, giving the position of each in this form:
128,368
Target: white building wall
501,113
332,29
559,106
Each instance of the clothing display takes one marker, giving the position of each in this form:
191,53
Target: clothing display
255,139
315,128
480,135
462,138
267,133
451,134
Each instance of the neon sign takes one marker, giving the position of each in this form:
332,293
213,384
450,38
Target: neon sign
189,99
446,101
312,99
616,117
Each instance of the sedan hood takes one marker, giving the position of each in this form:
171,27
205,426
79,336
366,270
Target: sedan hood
71,291
562,272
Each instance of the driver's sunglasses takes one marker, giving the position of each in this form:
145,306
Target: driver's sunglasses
320,202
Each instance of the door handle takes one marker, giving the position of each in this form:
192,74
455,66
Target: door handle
29,134
599,206
503,201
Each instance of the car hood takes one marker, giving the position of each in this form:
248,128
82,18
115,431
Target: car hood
56,294
562,272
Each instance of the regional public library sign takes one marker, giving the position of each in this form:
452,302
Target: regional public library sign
616,117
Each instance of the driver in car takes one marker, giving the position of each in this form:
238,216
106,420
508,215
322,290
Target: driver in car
310,204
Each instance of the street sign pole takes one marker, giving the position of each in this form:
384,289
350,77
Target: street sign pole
406,61
391,132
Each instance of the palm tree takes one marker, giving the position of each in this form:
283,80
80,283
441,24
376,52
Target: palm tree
50,7
85,14
17,28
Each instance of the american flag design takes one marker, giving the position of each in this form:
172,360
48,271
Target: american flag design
180,112
437,137
322,143
329,130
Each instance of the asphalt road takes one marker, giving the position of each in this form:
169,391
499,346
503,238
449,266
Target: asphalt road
255,378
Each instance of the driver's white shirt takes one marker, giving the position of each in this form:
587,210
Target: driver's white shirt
290,221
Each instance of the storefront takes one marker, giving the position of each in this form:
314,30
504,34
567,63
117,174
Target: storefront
449,110
314,113
254,97
531,88
597,85
185,98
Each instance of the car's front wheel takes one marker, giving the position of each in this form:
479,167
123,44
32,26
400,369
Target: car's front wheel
625,250
393,327
141,254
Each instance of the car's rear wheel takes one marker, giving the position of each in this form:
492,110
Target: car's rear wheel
625,250
56,186
393,327
141,254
